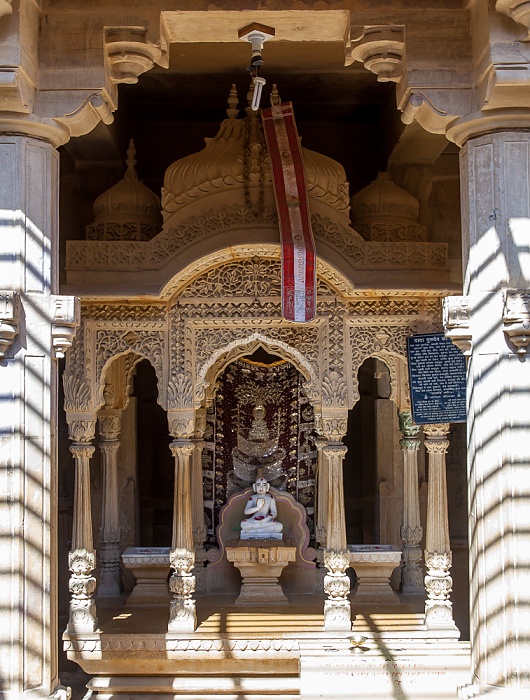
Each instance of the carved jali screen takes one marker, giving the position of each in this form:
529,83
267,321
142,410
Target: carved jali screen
286,425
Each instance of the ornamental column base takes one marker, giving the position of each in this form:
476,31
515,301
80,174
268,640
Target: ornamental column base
182,612
438,586
490,692
337,615
82,618
337,607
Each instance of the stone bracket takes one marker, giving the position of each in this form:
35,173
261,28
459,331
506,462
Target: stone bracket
129,53
9,319
516,318
17,91
516,10
66,319
457,322
5,7
381,49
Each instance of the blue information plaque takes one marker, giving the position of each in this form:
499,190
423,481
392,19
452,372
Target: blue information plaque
437,375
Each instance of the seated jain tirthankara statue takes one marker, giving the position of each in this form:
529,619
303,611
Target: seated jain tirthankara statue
261,507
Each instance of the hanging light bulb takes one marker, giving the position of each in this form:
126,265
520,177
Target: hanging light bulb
256,95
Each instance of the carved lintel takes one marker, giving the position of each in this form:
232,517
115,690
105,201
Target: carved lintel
9,319
129,53
66,320
380,48
516,318
457,323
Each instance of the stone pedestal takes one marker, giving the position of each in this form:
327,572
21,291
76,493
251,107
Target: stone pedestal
261,566
150,567
373,567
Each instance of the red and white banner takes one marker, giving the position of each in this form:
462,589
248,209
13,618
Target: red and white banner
290,190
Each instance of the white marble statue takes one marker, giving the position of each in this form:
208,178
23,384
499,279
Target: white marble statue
261,507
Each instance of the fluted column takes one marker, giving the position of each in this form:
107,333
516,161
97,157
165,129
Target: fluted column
82,557
438,556
110,533
337,607
322,493
411,529
182,617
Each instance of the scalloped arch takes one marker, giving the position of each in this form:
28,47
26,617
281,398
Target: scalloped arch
136,358
326,272
397,366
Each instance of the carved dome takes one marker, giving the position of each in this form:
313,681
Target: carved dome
385,212
128,210
237,159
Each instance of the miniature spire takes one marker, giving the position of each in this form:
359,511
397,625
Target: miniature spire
233,102
131,162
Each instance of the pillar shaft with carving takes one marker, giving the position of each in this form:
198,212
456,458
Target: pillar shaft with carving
322,493
110,533
438,556
82,557
182,617
197,507
337,607
411,529
495,319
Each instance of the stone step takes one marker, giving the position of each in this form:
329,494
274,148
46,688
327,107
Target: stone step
197,687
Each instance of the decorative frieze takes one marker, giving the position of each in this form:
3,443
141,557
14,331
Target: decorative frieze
9,320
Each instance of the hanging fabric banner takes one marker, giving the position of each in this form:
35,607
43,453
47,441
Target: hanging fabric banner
290,191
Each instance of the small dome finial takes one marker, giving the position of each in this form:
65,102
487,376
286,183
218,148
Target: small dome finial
131,162
233,102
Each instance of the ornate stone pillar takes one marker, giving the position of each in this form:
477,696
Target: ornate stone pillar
322,493
495,320
109,421
438,558
411,530
182,616
197,508
82,557
337,607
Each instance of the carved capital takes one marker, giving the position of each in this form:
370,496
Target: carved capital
516,318
335,451
182,448
456,321
408,428
436,432
129,53
81,428
181,424
109,423
335,427
66,320
82,451
9,319
381,49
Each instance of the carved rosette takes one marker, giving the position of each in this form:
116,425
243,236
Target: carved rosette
82,585
337,607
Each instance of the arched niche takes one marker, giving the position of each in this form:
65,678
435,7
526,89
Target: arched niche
373,486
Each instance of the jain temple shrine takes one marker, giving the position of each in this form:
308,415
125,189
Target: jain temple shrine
254,255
